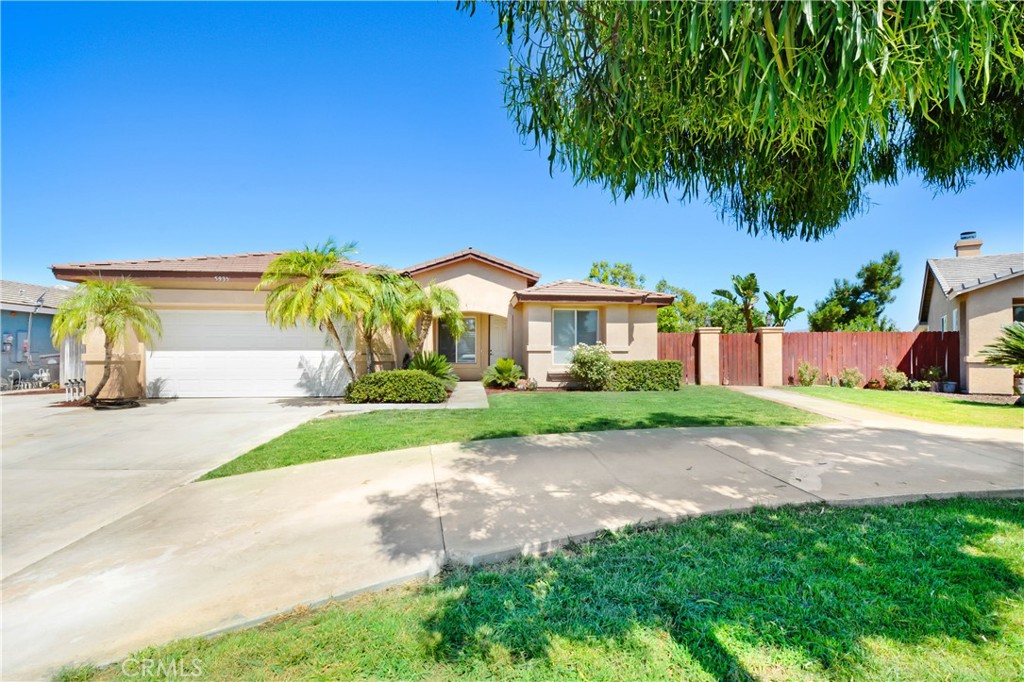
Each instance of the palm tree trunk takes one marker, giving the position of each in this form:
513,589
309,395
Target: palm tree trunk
108,361
341,349
368,340
422,328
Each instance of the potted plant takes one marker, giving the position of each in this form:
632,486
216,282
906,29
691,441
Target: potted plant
934,375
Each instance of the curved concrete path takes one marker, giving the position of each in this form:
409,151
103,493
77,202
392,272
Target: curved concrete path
229,552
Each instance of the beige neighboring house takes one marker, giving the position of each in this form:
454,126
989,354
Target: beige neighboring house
216,341
976,296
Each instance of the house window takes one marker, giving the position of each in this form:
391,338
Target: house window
461,352
570,327
956,320
1018,310
943,327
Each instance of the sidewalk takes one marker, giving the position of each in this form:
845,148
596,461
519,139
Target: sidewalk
230,552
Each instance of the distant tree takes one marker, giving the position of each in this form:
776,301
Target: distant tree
781,114
315,287
858,306
619,274
116,307
744,295
685,314
730,317
781,307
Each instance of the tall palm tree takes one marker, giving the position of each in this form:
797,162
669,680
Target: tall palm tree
782,307
384,308
113,306
743,295
315,287
433,302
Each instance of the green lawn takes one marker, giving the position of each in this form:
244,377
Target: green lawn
930,591
514,414
928,406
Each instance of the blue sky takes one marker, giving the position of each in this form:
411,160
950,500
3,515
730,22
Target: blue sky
142,130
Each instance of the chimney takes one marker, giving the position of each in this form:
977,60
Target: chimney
968,245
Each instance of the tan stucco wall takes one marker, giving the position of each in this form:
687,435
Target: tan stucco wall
629,331
708,369
770,349
938,307
986,311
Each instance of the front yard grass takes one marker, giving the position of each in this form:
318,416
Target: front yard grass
942,409
929,591
514,414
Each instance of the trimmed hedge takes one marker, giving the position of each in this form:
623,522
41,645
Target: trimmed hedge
646,375
396,386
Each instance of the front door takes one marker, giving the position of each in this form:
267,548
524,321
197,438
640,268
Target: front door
498,339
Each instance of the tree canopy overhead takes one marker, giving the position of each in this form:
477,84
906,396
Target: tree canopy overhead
781,112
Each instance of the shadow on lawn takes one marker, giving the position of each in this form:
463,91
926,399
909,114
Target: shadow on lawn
818,581
652,420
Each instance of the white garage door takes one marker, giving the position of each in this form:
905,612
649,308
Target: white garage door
213,354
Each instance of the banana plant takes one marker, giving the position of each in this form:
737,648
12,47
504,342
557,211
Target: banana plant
781,307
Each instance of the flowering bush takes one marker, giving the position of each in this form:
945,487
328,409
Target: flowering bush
591,366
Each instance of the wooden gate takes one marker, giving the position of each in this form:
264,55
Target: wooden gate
681,347
739,360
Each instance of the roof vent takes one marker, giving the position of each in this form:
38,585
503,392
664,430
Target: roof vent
968,245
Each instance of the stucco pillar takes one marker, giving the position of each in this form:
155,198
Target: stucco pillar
769,341
707,356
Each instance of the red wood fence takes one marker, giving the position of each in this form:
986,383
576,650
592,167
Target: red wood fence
739,360
830,352
682,347
909,352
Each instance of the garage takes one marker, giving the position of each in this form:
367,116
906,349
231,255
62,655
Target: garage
219,353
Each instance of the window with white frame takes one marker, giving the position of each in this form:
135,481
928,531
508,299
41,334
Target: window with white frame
461,352
943,327
956,320
568,328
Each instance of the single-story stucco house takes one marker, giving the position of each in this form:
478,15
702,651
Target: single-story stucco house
216,341
976,296
27,352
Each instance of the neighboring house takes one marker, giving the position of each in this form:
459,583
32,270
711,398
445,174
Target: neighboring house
216,340
28,354
976,296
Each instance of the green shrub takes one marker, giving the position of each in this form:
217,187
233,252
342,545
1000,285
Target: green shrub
851,377
396,386
920,385
436,365
807,374
591,366
894,380
503,374
933,373
646,375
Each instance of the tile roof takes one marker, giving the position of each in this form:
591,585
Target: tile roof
245,265
20,293
573,290
957,275
473,254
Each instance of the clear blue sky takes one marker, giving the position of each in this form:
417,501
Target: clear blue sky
139,130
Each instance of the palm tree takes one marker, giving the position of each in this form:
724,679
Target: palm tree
113,306
743,295
1008,351
315,287
782,307
436,301
384,308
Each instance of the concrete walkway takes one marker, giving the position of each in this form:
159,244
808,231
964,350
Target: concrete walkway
229,552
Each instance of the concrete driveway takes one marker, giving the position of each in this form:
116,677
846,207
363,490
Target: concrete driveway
67,472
